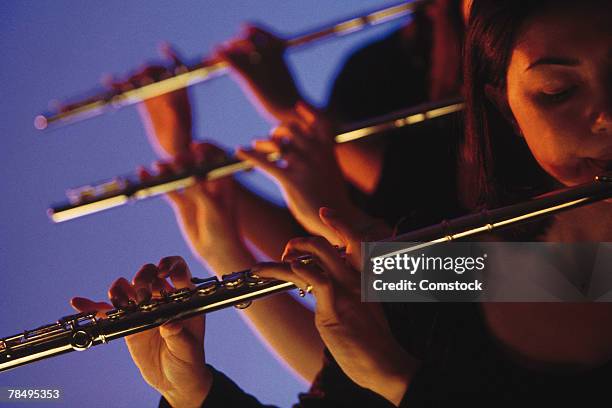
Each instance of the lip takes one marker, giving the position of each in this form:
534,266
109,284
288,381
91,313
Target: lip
602,164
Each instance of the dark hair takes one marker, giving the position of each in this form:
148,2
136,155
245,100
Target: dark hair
496,165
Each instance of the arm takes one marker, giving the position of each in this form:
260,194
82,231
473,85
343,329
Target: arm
282,321
356,333
206,215
258,58
265,224
171,357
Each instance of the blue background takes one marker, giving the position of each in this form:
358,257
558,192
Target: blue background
60,49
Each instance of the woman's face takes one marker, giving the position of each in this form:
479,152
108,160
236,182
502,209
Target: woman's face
559,88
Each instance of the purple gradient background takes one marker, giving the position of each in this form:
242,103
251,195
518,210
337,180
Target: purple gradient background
61,48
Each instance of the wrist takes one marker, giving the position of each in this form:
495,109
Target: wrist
224,258
192,396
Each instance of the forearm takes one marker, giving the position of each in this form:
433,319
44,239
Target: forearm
168,125
266,225
285,324
361,163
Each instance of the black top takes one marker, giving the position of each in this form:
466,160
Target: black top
416,188
462,366
418,179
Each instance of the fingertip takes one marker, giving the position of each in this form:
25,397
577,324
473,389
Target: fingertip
305,112
143,173
164,48
241,153
106,80
77,303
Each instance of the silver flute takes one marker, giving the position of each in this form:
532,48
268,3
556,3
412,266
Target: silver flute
185,76
84,330
92,198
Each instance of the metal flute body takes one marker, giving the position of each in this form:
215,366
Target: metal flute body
93,198
81,331
187,76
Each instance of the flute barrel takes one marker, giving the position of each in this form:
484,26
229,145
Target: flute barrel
185,76
118,191
84,330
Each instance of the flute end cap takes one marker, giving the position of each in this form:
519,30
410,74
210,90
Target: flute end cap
40,122
52,216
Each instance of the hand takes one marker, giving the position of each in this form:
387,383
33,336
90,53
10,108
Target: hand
357,334
257,56
170,357
206,212
308,172
167,118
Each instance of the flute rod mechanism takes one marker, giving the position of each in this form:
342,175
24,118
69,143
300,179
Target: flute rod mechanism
84,330
187,76
94,198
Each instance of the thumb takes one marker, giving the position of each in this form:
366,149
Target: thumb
181,343
345,232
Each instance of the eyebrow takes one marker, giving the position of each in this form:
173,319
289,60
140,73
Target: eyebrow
570,62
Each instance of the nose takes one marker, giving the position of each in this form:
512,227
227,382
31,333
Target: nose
602,119
603,122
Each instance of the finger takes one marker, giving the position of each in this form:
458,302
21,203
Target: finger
313,121
291,156
280,271
108,81
266,146
160,285
209,153
261,160
320,248
121,292
303,142
176,268
168,52
236,54
316,278
308,114
346,233
143,173
147,75
181,342
88,306
262,37
182,161
163,168
143,281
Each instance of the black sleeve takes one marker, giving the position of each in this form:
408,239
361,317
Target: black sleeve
224,393
384,76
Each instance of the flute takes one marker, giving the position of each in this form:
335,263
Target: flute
186,76
84,330
122,190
